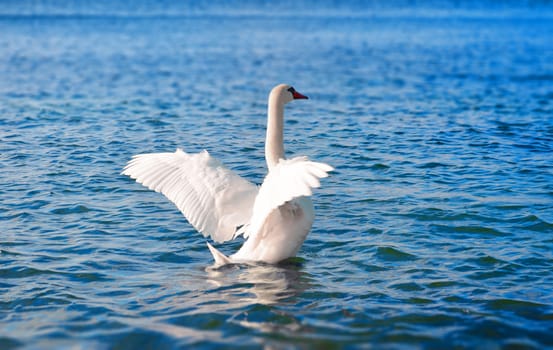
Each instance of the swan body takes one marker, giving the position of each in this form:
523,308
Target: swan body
275,218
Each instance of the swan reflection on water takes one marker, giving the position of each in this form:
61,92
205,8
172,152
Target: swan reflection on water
252,296
257,292
259,283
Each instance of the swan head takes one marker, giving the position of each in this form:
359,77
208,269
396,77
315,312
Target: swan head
284,93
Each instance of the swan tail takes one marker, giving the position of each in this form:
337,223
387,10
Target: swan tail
220,258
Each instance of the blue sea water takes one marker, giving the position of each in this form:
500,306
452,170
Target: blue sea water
435,230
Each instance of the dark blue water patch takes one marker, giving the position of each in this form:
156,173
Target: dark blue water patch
8,343
393,254
407,287
466,231
431,165
540,227
23,272
173,258
76,209
487,261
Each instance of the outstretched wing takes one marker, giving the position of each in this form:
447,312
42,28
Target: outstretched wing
215,200
289,179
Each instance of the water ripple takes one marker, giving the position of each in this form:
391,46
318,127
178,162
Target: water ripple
433,232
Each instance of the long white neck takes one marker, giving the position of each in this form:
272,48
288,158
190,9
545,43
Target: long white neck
274,143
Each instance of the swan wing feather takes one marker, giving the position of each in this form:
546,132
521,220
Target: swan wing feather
214,199
287,180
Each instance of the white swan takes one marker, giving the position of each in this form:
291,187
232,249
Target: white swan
275,218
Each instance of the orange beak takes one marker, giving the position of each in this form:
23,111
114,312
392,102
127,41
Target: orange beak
298,96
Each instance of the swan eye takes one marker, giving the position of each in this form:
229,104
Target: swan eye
296,95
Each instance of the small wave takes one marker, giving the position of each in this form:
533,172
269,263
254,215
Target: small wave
407,287
10,343
379,166
24,271
527,308
432,165
472,230
173,258
486,261
442,284
75,209
393,254
533,77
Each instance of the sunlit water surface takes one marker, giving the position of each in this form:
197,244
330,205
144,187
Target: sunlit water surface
435,230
